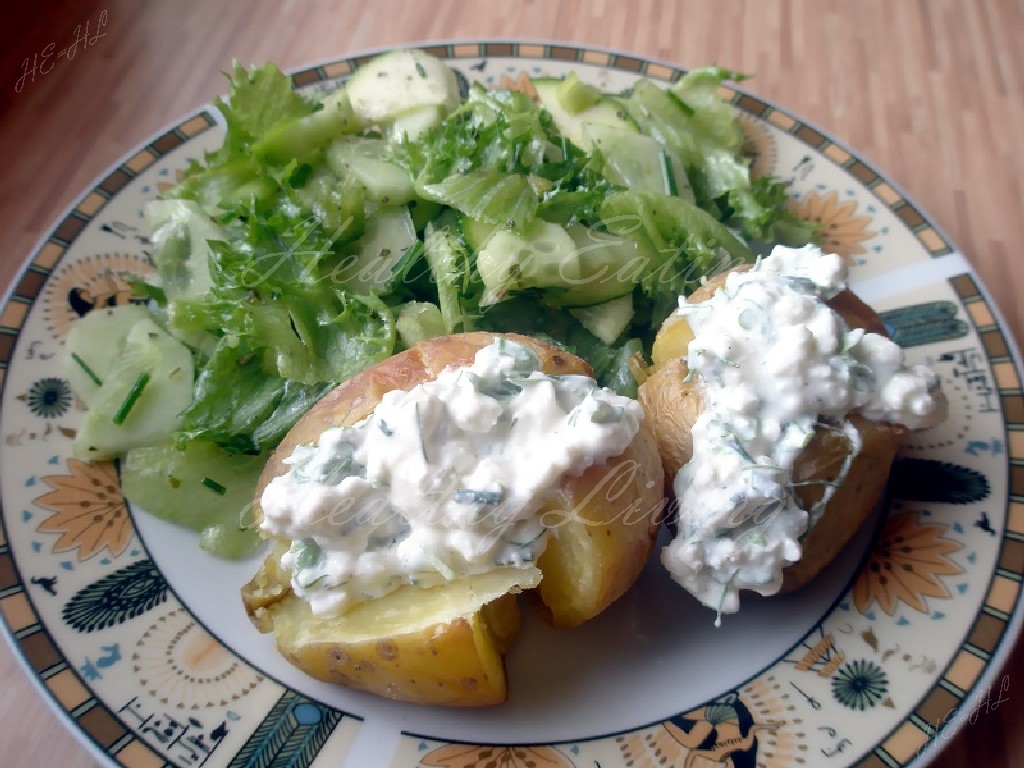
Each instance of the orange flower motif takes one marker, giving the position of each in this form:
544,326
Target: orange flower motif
477,756
89,510
842,231
905,564
89,283
521,84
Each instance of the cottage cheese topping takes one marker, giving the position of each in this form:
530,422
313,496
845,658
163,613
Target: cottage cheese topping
775,362
444,480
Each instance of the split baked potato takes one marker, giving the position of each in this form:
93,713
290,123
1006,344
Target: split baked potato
672,405
444,644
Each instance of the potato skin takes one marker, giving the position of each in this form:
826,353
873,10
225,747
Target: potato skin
672,407
455,661
602,525
597,551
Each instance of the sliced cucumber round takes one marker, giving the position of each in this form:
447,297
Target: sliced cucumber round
146,388
608,268
608,320
544,256
201,487
399,81
94,344
607,111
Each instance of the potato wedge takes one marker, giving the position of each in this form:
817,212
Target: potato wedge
672,406
443,645
440,645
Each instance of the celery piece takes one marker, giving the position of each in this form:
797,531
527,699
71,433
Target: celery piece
419,320
575,96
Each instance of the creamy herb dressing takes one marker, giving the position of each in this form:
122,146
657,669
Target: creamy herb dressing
775,362
447,479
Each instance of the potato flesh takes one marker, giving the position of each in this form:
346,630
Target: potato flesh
428,646
604,524
672,341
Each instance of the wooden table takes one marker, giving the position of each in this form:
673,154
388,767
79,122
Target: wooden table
929,92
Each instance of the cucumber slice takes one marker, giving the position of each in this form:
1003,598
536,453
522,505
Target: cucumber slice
148,385
413,123
443,253
608,111
608,263
169,483
389,234
399,81
181,231
544,256
364,160
575,96
423,212
661,115
607,321
637,161
93,345
336,203
419,320
477,233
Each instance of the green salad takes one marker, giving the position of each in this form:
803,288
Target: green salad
328,233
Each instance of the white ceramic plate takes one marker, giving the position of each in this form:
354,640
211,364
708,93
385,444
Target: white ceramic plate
141,642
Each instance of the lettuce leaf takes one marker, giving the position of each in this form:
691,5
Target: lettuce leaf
259,98
683,243
499,158
241,407
693,119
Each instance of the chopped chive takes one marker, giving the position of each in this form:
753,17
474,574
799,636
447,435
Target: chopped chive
214,486
574,414
88,371
440,566
404,264
421,71
742,451
388,432
725,594
419,430
669,174
674,98
473,496
525,544
133,397
307,554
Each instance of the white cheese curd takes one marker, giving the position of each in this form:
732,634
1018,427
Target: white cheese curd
444,480
775,362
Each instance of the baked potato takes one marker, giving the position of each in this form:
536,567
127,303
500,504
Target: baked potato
443,644
672,404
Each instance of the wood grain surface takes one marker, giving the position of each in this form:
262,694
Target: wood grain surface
931,93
